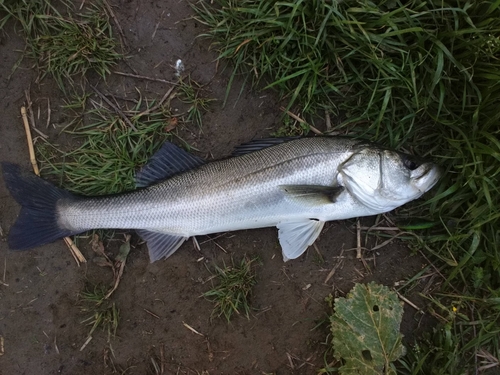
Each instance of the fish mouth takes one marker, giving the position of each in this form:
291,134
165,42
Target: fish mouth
426,176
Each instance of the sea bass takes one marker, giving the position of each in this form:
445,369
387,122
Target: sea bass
294,184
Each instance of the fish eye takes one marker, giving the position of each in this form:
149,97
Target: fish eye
410,163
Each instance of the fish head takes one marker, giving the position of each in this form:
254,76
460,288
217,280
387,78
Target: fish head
384,179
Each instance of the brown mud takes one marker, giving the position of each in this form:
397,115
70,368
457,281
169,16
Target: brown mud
40,309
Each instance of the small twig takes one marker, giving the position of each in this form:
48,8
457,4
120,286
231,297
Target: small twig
302,121
220,247
31,149
214,238
409,302
151,313
146,78
49,111
196,244
75,251
192,329
318,252
155,30
86,343
158,105
29,104
4,272
335,267
358,240
118,275
162,358
380,228
327,121
115,108
55,345
290,360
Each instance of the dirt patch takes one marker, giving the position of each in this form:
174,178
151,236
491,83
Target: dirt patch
40,312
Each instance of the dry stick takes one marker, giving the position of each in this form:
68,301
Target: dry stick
328,122
160,103
79,258
115,108
192,329
358,240
409,302
295,117
334,269
75,251
48,112
4,272
31,150
86,343
144,77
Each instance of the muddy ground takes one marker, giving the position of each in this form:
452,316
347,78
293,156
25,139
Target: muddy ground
40,312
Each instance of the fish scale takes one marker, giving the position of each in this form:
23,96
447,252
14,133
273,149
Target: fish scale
210,198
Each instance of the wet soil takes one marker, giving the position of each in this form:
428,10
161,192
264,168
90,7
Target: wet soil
40,309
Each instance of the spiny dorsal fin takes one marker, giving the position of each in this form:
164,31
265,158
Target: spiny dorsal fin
259,144
168,161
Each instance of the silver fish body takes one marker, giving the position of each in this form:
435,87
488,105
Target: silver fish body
295,185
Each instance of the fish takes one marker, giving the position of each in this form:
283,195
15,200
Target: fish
294,184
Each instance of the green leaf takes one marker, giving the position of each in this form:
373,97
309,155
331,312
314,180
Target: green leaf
124,250
365,330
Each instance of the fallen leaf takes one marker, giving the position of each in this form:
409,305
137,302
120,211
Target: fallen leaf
365,330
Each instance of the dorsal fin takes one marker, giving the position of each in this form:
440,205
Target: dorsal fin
259,144
168,161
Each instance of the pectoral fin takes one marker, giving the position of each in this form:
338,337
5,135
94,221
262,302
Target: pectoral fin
296,236
313,194
160,245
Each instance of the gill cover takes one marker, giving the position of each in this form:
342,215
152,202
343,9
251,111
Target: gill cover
383,179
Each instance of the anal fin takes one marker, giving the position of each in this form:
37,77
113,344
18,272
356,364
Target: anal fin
161,245
296,236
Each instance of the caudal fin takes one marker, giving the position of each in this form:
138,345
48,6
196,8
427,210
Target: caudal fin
37,222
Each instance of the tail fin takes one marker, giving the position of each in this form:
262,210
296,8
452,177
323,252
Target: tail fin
37,222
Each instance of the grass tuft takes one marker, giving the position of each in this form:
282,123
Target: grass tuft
65,43
190,93
110,150
231,294
102,313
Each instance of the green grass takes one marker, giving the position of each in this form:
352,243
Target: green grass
110,151
420,75
113,142
101,312
62,41
190,93
233,290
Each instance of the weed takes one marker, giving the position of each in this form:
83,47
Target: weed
291,128
231,294
110,151
189,92
103,313
65,44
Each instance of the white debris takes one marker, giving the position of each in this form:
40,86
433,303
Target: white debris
179,68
